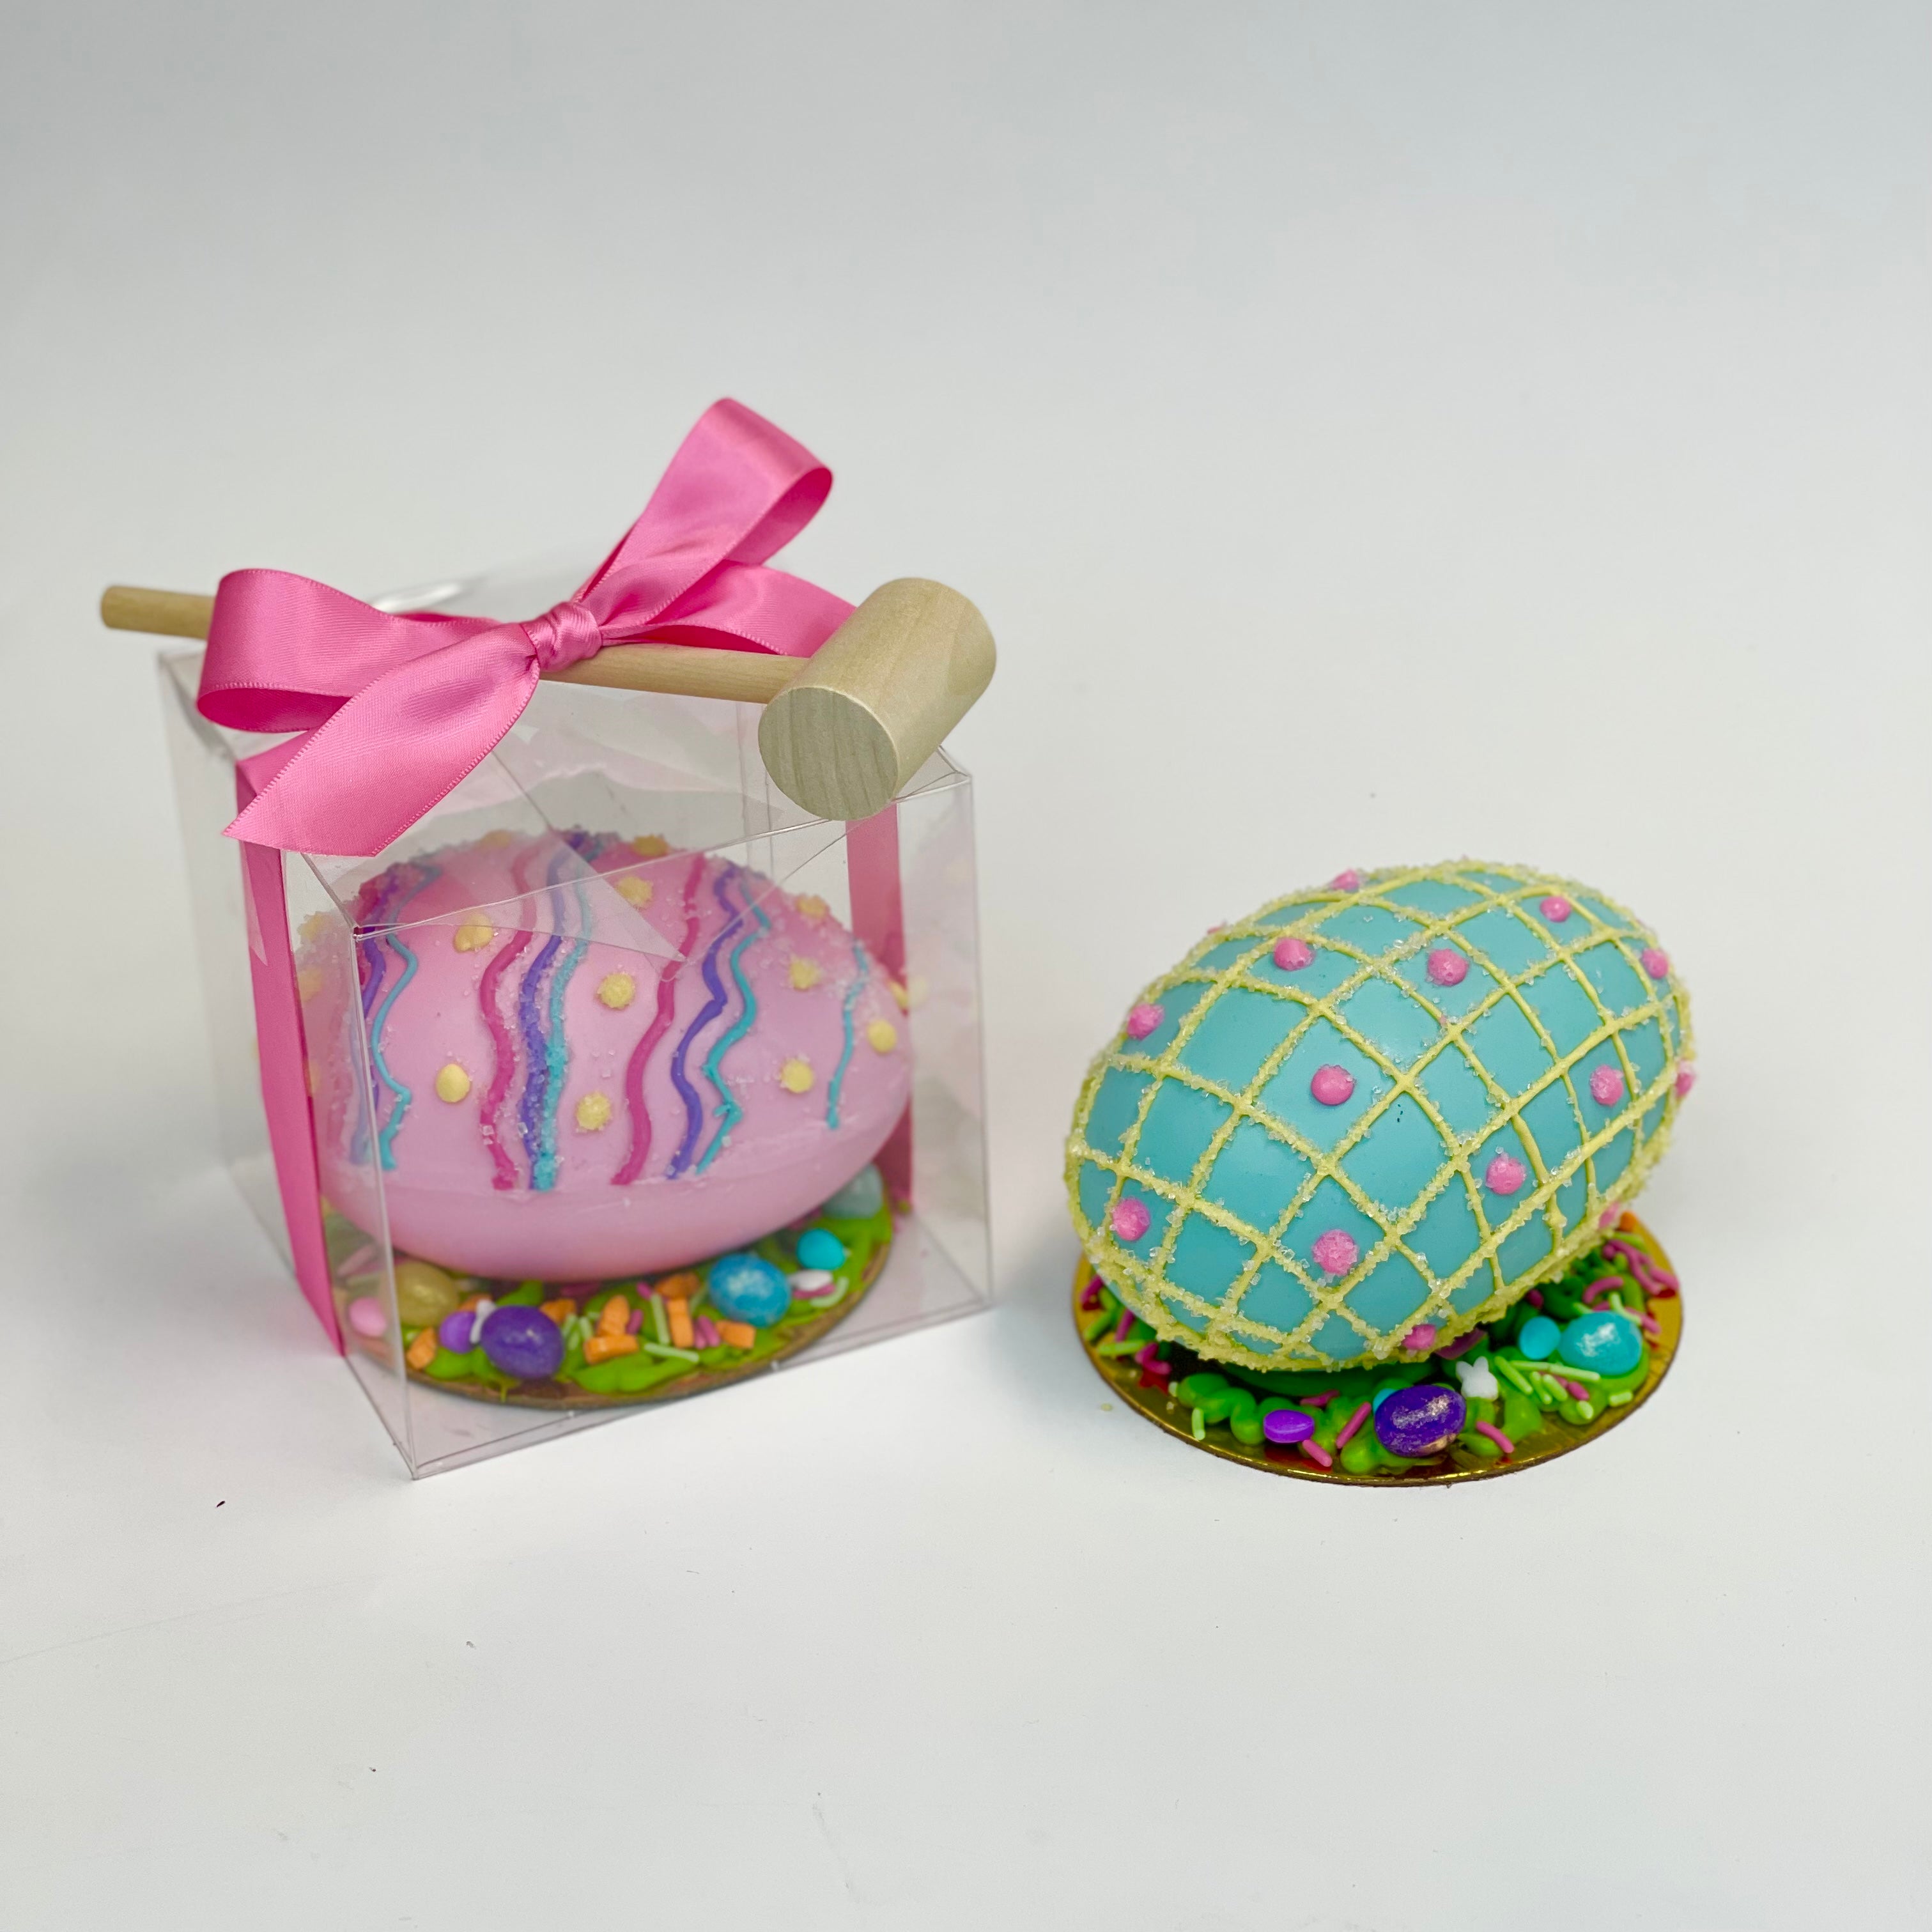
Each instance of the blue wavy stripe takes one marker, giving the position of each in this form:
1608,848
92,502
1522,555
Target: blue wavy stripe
857,987
544,1174
693,1107
729,1111
386,1139
536,1045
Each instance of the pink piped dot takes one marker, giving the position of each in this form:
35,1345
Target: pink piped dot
1656,963
1332,1085
1504,1174
1350,881
1687,1078
1555,908
1143,1019
1422,1335
1609,1218
1448,967
1291,954
1131,1218
1606,1086
1336,1252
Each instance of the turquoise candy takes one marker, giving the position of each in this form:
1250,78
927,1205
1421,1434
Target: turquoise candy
747,1288
1539,1338
1266,1217
820,1248
860,1199
1603,1340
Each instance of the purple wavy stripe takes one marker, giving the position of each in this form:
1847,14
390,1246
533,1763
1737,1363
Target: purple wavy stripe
693,1107
660,1025
505,1046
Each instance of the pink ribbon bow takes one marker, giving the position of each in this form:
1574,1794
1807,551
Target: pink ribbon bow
398,708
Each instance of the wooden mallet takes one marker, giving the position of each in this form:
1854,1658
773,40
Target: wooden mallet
843,729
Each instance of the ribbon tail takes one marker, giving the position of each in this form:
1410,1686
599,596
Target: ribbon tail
393,751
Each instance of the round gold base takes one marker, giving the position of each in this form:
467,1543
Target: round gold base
1148,1395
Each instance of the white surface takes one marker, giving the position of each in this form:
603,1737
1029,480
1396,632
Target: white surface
1373,432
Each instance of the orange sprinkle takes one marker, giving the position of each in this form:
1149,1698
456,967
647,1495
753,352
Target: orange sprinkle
422,1350
678,1313
470,1300
558,1312
616,1316
738,1334
601,1347
680,1287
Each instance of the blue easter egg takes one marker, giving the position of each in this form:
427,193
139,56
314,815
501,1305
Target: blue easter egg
820,1248
860,1199
1539,1338
1407,1096
1603,1340
747,1288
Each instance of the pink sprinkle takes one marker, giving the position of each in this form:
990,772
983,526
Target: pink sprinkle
366,1316
1504,1174
1336,1252
1576,1391
1143,1019
359,1261
1316,1454
1610,1217
1604,1284
1317,1401
1147,1360
635,1320
1463,1344
1332,1085
1656,963
1657,1281
704,1332
1496,1436
1354,1422
1535,1298
1350,881
1422,1335
1644,1320
1089,1296
1291,954
1687,1078
1448,967
1127,1322
1606,1086
1131,1218
1555,908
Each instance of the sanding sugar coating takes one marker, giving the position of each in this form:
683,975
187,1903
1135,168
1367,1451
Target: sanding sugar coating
665,1056
1559,1053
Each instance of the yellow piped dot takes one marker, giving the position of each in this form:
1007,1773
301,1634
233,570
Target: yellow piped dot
494,841
795,1076
882,1036
652,845
593,1111
314,929
452,1084
806,973
616,990
639,892
473,935
308,982
901,996
811,908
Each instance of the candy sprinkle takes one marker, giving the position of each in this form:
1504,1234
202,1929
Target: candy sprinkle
1507,1367
1198,1424
1317,1401
1354,1422
1316,1454
1496,1435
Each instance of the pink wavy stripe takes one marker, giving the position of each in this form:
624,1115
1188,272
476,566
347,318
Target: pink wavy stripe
505,1048
660,1025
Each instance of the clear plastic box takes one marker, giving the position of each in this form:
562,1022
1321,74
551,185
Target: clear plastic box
615,1008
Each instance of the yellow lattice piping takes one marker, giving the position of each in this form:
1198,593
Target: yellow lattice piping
1142,1283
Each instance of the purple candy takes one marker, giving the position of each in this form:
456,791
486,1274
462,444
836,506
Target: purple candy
454,1333
523,1342
1287,1425
1421,1421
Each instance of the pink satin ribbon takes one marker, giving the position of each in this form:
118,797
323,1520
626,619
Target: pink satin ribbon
397,709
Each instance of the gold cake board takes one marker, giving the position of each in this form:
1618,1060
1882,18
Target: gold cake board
1555,1438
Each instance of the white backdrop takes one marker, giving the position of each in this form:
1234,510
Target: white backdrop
1374,432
